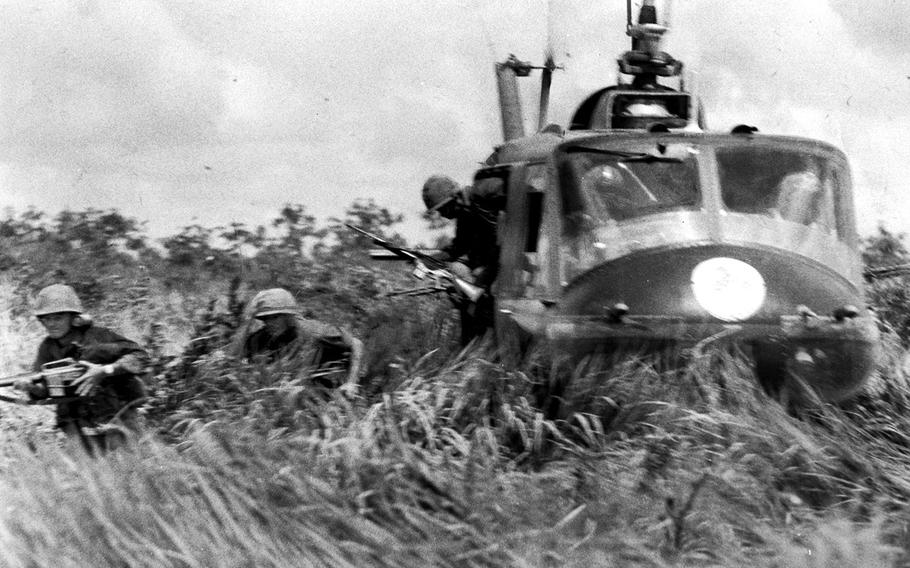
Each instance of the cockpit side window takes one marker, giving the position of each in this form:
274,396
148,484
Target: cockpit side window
534,271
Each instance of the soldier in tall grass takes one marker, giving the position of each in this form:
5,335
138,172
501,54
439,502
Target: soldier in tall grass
278,332
109,391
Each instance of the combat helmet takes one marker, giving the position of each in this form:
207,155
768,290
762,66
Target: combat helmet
57,298
272,302
438,191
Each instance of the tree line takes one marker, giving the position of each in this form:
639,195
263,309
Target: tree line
96,249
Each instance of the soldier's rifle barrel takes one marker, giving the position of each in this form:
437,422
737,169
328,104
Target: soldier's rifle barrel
10,380
469,290
886,271
422,291
401,252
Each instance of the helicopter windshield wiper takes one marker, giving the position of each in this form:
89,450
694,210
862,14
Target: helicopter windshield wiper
645,157
652,158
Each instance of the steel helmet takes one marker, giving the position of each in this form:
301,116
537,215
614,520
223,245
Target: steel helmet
273,301
57,298
439,190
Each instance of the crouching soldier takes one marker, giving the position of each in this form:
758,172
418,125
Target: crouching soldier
278,332
106,397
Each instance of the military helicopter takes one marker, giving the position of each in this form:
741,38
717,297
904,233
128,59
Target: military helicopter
638,226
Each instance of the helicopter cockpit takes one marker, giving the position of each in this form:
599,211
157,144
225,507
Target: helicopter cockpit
623,185
636,226
786,184
657,191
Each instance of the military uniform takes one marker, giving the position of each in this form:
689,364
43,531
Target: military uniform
115,396
286,335
475,211
475,243
315,344
109,391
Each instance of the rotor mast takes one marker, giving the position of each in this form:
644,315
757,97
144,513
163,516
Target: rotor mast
647,61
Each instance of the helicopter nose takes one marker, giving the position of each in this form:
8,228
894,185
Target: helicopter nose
713,283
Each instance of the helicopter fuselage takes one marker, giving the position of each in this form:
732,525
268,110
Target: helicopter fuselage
616,237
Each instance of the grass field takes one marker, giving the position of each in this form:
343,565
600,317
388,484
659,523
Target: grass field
445,460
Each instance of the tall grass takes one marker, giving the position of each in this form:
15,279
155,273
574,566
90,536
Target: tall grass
457,468
448,459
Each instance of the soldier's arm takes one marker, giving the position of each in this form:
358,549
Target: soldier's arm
242,346
105,347
356,357
34,391
42,357
108,354
460,243
338,334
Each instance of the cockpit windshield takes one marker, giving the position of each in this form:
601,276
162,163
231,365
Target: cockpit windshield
604,185
787,184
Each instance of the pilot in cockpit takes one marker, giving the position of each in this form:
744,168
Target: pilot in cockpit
799,196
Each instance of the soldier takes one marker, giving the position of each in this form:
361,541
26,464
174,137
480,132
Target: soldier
284,334
109,392
474,250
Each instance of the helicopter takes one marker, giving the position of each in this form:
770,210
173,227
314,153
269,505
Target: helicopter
636,225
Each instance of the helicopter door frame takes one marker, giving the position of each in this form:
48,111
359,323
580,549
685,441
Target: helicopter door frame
521,233
844,205
521,287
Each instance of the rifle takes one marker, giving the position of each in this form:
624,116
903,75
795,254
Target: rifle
57,376
425,266
886,272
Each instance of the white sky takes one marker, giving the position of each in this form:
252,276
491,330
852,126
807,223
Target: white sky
211,111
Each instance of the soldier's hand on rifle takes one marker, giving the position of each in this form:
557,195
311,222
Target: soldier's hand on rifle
32,389
93,373
457,298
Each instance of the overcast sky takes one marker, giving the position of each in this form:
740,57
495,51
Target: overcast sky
212,111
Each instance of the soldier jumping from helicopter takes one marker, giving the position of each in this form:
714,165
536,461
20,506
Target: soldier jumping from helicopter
473,252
